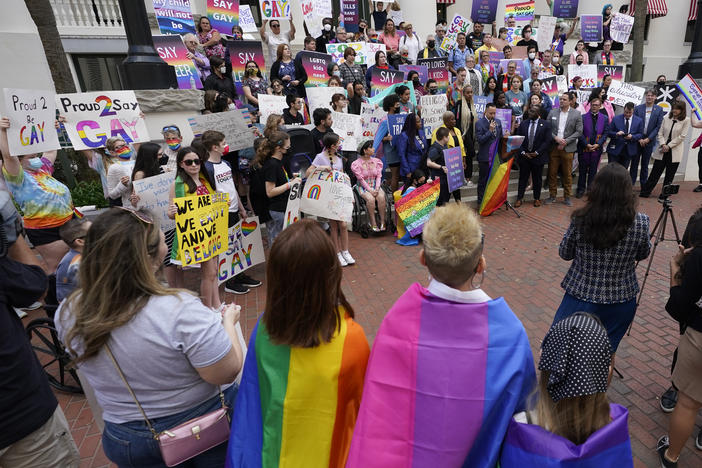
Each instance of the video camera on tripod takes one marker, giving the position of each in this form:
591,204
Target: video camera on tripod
668,190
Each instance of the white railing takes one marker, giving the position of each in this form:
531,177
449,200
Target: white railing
88,17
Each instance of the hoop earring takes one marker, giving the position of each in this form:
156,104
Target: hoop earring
482,277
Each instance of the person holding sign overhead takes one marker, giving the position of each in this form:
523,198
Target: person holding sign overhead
275,38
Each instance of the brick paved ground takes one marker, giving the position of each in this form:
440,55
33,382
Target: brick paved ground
524,267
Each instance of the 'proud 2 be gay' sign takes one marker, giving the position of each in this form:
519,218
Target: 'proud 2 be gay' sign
32,114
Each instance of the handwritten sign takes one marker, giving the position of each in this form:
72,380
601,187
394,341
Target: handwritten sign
587,72
337,52
292,209
315,65
620,93
484,11
437,70
591,28
246,19
201,227
174,16
244,249
241,52
454,166
153,195
172,50
523,11
383,79
269,104
620,27
348,127
565,8
320,98
32,114
415,208
370,120
232,123
692,92
328,194
323,8
275,9
615,71
433,108
547,25
459,24
369,50
92,118
223,14
312,19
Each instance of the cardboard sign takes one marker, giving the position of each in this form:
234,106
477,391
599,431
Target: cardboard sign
292,209
547,25
174,16
153,196
172,50
583,96
505,118
32,114
269,104
92,118
320,98
591,28
241,52
422,70
454,166
244,249
383,79
246,19
620,93
620,27
415,208
370,120
311,17
328,194
275,9
223,14
348,127
565,8
458,24
615,71
201,227
232,123
693,94
315,65
437,70
433,108
523,11
337,52
484,11
587,72
323,8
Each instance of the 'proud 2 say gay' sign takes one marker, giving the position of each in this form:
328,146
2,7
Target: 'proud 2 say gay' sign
92,118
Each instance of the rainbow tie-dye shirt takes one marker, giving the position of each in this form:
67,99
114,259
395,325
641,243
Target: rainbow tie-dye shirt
44,201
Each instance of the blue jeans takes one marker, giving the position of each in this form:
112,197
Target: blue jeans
275,225
131,444
642,157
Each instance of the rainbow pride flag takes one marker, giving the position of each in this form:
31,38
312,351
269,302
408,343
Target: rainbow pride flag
496,189
298,406
523,11
223,15
528,445
416,206
443,381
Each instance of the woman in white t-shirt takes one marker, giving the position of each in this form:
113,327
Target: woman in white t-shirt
176,354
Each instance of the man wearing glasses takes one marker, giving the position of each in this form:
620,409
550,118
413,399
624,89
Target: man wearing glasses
274,38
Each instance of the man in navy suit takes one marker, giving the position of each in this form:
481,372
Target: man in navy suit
533,154
652,115
488,130
625,131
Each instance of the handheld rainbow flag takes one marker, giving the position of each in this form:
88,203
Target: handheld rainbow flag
531,445
415,207
496,189
298,406
443,381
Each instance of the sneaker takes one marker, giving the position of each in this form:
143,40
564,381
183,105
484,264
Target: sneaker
661,447
341,258
347,256
550,201
698,189
20,313
247,281
668,400
470,184
698,440
567,202
234,287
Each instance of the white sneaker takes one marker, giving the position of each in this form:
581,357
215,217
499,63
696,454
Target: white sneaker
470,184
347,256
20,313
341,258
33,306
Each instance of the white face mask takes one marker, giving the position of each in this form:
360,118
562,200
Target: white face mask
327,27
232,106
223,70
532,55
336,73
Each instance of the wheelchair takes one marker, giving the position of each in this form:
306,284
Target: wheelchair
360,221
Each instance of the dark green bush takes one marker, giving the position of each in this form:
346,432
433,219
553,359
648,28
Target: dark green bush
89,193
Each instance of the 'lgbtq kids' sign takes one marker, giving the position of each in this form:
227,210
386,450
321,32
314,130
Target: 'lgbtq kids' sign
32,114
172,50
591,28
153,195
201,227
244,249
275,9
328,194
523,11
383,79
174,16
241,52
223,14
92,118
315,65
415,208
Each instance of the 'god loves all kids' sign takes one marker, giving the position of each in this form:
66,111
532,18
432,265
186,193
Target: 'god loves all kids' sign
92,118
32,114
201,227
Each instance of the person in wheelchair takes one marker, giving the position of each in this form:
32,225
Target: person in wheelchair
369,173
73,234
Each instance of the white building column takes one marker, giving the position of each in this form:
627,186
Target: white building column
422,15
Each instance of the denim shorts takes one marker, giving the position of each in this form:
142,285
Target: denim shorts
131,444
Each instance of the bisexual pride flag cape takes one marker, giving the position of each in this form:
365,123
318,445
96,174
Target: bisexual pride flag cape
498,181
443,381
528,445
298,406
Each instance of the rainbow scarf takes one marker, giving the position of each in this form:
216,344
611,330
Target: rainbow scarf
531,445
298,406
443,381
496,189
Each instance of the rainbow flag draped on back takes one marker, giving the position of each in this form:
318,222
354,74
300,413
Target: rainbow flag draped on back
498,180
297,406
528,445
443,381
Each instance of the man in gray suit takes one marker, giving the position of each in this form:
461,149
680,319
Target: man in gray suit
566,127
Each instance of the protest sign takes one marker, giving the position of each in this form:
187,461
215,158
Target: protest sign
223,14
562,83
547,25
232,123
174,16
504,63
519,52
422,70
591,28
495,58
32,114
565,8
692,92
437,70
92,118
172,50
292,208
619,93
378,98
615,71
350,15
383,79
395,123
484,11
323,8
454,165
583,96
620,27
153,195
458,24
433,108
328,194
370,120
505,118
315,65
549,86
369,50
415,208
246,19
275,9
587,72
523,11
244,249
667,94
269,104
320,97
311,17
480,103
241,52
337,52
201,227
348,127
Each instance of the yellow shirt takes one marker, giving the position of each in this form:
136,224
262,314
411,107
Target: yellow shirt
480,49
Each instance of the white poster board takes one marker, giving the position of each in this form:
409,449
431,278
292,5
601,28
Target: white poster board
348,127
32,114
92,118
620,27
245,249
547,25
620,93
246,19
153,195
311,17
269,104
328,194
370,120
275,9
370,50
320,97
292,209
236,131
587,72
433,108
458,24
323,8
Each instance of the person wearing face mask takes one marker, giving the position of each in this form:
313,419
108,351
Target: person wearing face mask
432,87
328,36
531,61
556,61
430,51
403,58
254,83
275,38
527,41
171,134
362,34
119,171
660,84
581,52
219,80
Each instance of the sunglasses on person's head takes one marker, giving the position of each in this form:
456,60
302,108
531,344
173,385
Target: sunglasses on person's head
191,162
170,128
138,214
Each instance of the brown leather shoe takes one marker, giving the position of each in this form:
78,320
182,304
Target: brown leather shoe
518,203
537,203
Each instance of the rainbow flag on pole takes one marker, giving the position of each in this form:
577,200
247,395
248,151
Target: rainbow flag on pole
298,406
496,189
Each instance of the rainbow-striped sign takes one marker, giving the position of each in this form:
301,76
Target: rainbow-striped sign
415,208
241,52
523,11
172,50
693,94
223,14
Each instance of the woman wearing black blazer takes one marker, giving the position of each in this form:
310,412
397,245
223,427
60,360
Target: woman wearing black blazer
287,70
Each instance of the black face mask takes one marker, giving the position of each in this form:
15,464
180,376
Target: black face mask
415,81
431,44
433,91
661,83
579,63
